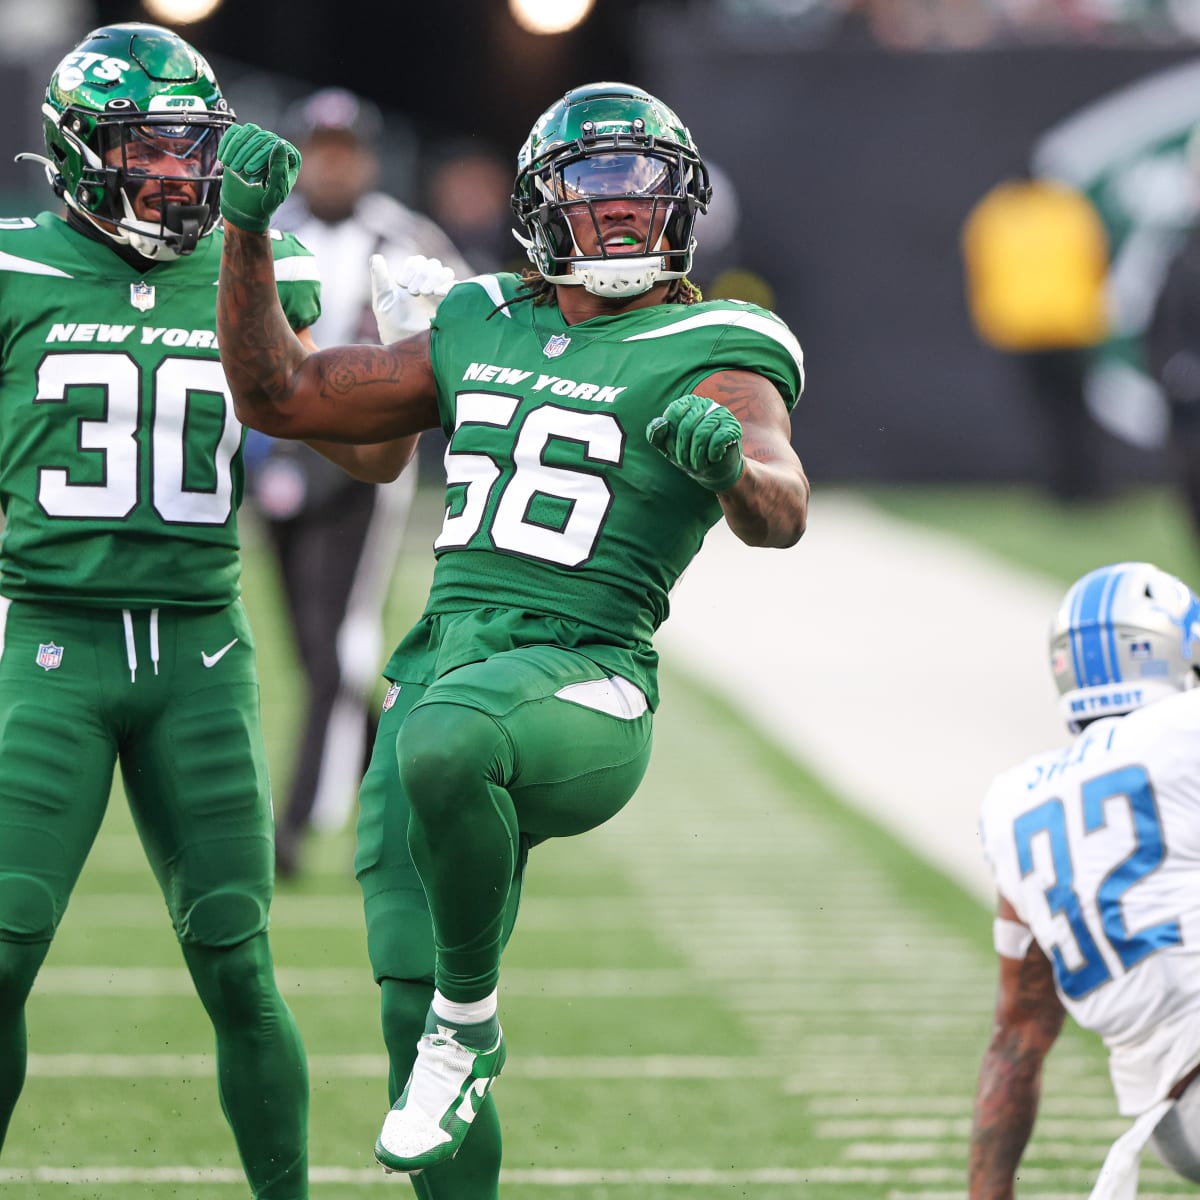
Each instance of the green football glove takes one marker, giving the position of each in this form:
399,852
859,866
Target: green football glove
260,170
702,438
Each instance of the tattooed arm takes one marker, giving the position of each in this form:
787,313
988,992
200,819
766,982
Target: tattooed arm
380,462
768,506
348,394
1029,1016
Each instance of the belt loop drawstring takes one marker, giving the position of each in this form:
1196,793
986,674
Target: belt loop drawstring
130,648
154,638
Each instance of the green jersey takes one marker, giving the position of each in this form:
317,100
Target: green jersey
563,524
120,457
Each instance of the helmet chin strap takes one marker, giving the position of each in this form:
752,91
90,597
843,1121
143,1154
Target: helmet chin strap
619,276
622,275
176,235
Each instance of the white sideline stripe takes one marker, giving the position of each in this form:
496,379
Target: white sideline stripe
825,593
372,1066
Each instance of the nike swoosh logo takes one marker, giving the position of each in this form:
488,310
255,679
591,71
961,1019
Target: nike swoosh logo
211,660
468,1109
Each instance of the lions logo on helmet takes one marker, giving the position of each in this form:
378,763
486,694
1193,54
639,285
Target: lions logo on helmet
125,93
1124,635
609,141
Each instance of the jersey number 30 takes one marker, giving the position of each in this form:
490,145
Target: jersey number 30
1132,785
176,382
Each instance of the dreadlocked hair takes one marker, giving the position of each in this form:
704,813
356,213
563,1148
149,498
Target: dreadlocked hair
541,291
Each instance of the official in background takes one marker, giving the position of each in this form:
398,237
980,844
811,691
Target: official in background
1173,354
1035,256
336,538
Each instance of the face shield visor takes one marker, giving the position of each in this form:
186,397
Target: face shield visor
650,185
161,180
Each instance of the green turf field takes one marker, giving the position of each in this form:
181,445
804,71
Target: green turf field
1062,541
737,988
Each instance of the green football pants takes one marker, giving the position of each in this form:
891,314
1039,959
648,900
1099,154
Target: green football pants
171,696
466,775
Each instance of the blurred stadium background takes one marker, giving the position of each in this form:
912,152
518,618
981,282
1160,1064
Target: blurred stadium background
786,980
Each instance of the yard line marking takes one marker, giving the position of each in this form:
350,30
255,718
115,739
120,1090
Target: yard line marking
370,1066
959,1128
781,996
634,983
583,1177
910,1105
895,1152
562,1177
145,910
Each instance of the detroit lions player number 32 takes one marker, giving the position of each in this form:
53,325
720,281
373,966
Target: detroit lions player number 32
600,419
1096,854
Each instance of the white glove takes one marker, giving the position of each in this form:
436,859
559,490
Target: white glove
405,305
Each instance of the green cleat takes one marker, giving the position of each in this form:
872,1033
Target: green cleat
454,1071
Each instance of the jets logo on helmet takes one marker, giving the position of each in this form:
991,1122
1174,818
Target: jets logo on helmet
126,98
76,67
1124,635
599,143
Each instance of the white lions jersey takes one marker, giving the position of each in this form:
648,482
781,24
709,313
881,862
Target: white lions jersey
1097,847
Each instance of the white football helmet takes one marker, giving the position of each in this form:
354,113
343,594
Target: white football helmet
1124,635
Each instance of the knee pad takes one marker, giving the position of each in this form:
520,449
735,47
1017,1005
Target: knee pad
28,909
1176,1140
222,918
443,747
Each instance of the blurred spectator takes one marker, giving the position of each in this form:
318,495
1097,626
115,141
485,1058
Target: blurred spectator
1036,259
1173,353
335,538
468,194
910,25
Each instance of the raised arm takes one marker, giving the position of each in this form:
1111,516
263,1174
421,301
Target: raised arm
733,435
347,394
1029,1016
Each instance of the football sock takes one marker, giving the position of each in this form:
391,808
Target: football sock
453,1013
463,837
474,1172
262,1075
19,963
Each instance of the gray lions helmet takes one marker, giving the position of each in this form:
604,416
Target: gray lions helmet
609,141
129,95
1124,635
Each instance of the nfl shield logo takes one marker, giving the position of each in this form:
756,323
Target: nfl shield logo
49,656
556,345
390,698
141,296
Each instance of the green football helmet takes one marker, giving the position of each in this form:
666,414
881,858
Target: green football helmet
129,98
604,142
